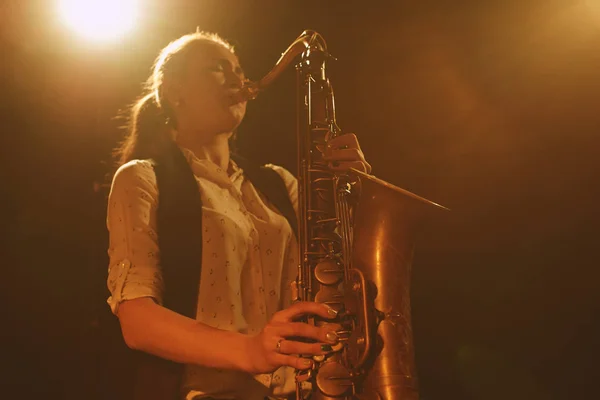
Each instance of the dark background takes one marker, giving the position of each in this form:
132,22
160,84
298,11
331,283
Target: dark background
488,107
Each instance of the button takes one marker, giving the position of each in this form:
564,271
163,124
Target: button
268,380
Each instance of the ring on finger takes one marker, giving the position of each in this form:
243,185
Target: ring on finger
278,346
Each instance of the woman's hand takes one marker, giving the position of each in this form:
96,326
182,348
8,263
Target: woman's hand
343,152
275,347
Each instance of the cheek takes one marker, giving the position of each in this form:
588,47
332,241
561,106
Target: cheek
201,96
201,101
202,93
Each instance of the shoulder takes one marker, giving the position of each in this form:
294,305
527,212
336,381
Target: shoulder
288,178
135,173
291,183
135,168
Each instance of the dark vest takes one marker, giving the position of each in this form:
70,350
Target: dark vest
179,230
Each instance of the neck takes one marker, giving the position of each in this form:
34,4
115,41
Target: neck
214,148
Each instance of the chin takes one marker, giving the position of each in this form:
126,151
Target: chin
236,115
230,124
223,120
238,109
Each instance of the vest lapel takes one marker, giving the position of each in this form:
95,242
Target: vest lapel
179,229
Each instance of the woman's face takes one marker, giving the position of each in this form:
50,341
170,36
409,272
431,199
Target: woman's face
204,101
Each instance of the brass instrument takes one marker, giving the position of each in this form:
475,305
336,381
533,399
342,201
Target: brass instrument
356,240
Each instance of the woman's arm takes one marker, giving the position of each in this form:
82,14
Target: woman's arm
151,328
135,282
136,287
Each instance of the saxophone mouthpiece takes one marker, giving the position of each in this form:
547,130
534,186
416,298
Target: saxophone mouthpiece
248,92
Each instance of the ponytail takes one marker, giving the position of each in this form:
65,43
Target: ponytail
148,131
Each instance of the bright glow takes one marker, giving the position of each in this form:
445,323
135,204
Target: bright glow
593,5
99,20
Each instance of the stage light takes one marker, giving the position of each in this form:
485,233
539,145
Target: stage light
99,20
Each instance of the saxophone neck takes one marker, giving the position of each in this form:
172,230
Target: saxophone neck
309,44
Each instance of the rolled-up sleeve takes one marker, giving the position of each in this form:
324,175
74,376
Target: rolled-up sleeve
133,270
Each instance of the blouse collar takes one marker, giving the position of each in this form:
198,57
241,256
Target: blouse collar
206,169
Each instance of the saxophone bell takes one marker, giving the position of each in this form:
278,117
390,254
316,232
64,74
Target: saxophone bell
356,238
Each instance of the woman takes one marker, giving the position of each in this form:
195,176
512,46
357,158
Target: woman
240,341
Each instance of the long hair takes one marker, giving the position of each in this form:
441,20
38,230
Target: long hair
151,117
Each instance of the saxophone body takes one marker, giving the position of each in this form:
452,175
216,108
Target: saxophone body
356,239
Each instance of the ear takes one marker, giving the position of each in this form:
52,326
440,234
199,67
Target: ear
171,93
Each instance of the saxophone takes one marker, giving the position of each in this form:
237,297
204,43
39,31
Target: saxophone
356,236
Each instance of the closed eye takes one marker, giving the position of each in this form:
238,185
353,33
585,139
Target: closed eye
215,68
222,65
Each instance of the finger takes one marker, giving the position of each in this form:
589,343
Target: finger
293,361
315,349
302,330
303,308
330,326
344,155
348,139
338,329
344,166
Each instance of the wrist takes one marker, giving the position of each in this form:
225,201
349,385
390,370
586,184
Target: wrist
241,352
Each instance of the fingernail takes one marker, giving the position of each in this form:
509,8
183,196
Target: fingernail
307,362
331,312
332,337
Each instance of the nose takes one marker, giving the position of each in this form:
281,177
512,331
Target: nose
234,81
